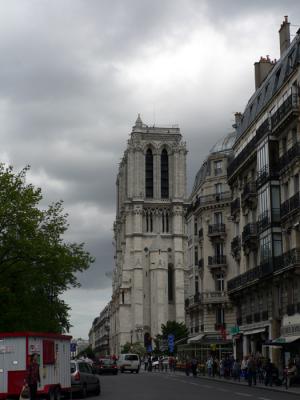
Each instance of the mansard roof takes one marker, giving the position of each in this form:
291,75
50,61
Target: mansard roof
271,85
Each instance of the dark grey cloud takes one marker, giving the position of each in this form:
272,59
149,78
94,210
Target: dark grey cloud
75,73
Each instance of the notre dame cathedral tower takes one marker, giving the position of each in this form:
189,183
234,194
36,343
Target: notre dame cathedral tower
148,279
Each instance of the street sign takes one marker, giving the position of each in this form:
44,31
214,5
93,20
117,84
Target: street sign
171,339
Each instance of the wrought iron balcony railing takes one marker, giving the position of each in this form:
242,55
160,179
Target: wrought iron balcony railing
266,174
284,111
290,206
216,260
241,157
249,195
216,229
211,198
287,260
287,158
240,281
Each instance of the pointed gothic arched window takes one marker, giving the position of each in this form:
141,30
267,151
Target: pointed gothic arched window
149,174
164,174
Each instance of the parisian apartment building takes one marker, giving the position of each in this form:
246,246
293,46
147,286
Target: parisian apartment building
209,312
264,181
149,233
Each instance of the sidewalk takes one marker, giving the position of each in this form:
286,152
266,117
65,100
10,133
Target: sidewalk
292,390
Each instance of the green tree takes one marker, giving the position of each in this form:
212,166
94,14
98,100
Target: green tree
136,348
36,264
178,329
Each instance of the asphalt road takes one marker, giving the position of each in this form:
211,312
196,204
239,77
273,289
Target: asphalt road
170,386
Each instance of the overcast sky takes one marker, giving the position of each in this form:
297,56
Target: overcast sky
74,74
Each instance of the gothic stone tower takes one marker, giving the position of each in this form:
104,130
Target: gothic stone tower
148,280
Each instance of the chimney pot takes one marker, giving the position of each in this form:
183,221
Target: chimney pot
284,35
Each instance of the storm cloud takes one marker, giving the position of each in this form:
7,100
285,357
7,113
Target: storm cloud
74,74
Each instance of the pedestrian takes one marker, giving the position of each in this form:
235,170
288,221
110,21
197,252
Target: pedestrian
146,363
251,370
236,370
268,373
221,367
187,367
244,368
194,364
32,379
209,364
165,363
149,363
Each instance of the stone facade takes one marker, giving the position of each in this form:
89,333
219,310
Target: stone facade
99,332
148,279
209,259
264,180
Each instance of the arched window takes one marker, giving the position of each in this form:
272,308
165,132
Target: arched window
149,174
164,174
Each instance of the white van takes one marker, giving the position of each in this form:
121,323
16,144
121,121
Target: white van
129,362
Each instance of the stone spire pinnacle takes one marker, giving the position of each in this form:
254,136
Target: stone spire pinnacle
138,122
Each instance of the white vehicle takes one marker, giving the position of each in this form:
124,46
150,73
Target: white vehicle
129,362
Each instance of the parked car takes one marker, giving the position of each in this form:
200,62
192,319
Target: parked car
106,366
83,380
129,362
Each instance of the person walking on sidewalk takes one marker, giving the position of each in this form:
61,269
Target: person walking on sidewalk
33,376
194,364
251,369
236,370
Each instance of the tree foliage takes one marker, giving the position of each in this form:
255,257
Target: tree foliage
136,348
178,329
36,264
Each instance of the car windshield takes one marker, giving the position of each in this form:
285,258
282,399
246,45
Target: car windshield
107,362
131,357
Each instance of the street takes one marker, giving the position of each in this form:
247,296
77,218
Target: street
170,386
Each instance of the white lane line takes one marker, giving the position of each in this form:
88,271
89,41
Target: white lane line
192,383
243,394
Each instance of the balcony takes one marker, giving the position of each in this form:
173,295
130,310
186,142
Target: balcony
290,207
249,196
214,297
263,129
287,158
250,277
249,237
263,221
266,174
216,230
217,262
288,260
235,207
285,112
248,151
236,247
202,201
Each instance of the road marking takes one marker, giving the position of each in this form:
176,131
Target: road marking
243,394
192,383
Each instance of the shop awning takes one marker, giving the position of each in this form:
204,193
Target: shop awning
254,331
195,338
285,339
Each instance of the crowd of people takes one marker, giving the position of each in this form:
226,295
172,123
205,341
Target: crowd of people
252,368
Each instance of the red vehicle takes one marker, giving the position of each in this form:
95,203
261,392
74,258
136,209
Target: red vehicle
53,352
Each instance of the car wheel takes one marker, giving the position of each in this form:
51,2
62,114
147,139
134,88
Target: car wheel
137,371
57,394
131,371
84,392
98,390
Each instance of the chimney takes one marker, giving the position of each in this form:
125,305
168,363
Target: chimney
262,69
284,35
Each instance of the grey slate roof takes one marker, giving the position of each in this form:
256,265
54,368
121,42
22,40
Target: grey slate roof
272,84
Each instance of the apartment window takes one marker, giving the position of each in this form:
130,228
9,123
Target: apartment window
218,249
196,255
218,167
170,283
218,188
220,316
149,174
196,284
263,201
218,218
277,244
265,248
263,157
275,201
164,174
219,281
195,228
